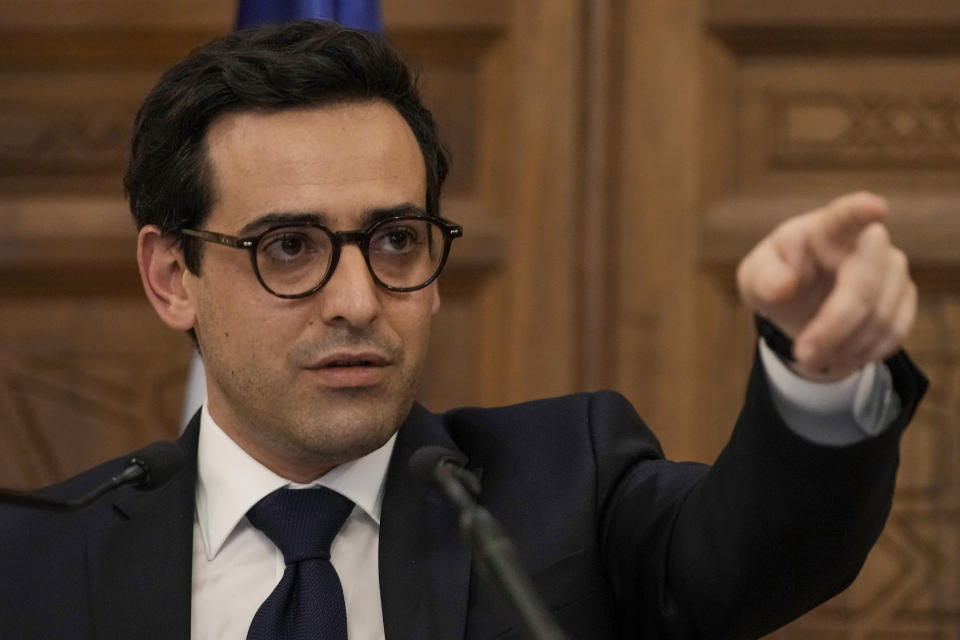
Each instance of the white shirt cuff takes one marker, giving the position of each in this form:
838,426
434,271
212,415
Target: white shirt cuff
832,413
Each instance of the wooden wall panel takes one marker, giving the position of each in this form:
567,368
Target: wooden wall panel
816,125
67,130
99,16
538,204
116,383
820,99
660,289
88,371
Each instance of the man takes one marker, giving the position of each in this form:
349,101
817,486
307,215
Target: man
286,183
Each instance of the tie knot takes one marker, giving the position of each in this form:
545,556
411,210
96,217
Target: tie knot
301,522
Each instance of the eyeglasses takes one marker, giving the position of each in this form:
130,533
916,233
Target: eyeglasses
403,253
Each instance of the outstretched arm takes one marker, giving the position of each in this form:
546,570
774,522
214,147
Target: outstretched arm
782,520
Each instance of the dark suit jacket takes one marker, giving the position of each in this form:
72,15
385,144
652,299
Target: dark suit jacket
620,542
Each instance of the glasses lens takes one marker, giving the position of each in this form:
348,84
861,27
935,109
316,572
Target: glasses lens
406,252
293,260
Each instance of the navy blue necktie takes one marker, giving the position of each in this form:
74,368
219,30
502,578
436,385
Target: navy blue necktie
308,602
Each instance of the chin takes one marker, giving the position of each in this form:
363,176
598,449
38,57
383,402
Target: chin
351,432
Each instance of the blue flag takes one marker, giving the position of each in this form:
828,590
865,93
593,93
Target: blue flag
358,14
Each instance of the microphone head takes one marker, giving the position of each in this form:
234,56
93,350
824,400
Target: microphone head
424,462
160,461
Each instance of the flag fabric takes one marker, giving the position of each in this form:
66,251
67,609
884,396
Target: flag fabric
357,14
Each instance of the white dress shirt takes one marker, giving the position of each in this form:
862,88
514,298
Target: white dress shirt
235,566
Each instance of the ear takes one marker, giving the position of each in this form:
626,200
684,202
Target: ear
162,271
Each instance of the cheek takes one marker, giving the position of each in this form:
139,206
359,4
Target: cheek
238,316
412,320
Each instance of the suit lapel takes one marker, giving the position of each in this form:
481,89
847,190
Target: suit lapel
140,564
424,565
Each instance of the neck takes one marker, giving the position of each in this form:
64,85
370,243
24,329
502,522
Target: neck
290,465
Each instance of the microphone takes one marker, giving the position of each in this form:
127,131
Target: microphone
148,468
441,467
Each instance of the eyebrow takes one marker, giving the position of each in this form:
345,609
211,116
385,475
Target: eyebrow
369,217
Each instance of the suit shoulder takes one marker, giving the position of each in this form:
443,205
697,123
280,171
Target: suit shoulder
578,403
17,518
87,479
157,453
585,420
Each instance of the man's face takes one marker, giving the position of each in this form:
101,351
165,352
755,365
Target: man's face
309,383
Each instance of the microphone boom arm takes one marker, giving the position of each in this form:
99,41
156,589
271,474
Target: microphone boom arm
495,551
151,466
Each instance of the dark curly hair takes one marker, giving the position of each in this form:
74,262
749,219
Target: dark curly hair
277,66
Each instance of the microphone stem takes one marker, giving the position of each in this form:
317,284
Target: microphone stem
34,500
131,474
496,552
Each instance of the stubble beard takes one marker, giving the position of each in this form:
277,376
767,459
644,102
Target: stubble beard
322,427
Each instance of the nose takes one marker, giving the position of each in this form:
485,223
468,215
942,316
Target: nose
350,295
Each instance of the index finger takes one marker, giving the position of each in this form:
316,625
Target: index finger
841,221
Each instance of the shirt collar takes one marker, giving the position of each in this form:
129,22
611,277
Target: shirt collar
230,481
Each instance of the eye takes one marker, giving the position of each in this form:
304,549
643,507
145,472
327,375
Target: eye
400,238
396,237
288,245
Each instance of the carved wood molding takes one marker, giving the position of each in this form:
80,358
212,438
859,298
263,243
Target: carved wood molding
757,27
81,143
754,40
873,130
927,227
161,15
822,12
441,15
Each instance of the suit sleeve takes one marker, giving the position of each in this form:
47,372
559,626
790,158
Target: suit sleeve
775,527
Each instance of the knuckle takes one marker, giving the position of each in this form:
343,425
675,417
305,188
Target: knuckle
886,317
864,285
